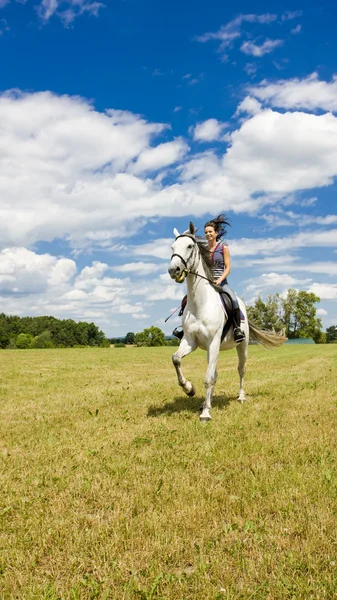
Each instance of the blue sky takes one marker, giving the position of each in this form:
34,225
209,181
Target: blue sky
122,120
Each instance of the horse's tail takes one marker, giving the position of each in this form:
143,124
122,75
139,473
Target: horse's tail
268,339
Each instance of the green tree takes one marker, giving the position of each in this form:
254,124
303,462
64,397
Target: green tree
267,315
152,336
129,338
331,334
289,308
24,341
301,319
256,312
43,340
5,332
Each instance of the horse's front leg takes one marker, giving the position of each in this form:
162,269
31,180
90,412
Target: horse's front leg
184,349
211,377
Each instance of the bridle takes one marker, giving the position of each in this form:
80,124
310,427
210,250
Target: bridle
181,258
187,270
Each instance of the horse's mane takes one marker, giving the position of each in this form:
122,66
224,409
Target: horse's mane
205,257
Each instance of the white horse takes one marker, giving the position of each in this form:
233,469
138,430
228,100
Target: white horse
204,317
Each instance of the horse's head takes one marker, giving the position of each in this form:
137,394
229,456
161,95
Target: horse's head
184,254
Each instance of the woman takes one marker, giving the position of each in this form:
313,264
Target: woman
219,251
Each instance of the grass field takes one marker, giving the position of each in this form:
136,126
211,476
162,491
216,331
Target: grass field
110,487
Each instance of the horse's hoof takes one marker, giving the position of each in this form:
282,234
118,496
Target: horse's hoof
205,417
242,400
191,392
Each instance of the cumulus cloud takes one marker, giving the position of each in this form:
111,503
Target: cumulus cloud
163,155
309,93
22,271
281,153
249,105
38,284
71,172
209,131
325,291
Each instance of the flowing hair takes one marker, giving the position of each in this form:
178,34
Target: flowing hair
219,225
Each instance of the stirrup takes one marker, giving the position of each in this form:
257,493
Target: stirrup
179,334
239,335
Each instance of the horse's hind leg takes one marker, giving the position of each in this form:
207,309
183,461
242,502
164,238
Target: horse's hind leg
184,349
242,356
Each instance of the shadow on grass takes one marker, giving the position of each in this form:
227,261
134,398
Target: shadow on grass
183,403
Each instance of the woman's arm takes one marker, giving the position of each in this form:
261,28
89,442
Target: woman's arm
227,265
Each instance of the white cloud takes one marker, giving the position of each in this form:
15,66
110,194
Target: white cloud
279,218
325,291
139,268
67,10
159,248
66,170
309,93
270,246
23,271
296,29
227,33
265,48
249,105
208,131
309,201
281,153
33,284
288,15
163,155
320,312
276,281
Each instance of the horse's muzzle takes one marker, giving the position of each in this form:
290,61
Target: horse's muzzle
177,273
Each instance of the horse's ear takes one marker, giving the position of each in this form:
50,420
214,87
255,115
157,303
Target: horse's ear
192,228
176,232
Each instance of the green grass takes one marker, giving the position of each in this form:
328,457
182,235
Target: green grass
110,488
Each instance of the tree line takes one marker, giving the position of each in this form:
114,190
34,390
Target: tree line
294,314
48,332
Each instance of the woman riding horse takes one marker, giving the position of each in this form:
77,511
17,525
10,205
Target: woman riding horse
221,259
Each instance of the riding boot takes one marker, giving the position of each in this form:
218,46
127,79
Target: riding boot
178,334
239,335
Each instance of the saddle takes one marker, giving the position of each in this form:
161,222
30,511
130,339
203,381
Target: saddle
227,306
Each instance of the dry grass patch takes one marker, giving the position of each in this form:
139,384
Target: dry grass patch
111,489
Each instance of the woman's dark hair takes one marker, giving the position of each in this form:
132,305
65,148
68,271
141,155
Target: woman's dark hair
219,224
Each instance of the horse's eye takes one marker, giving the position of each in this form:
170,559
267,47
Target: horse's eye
190,246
